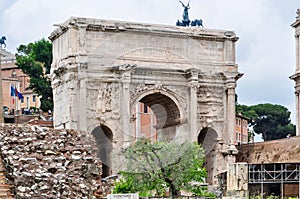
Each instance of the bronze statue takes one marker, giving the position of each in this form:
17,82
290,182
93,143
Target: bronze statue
2,41
186,20
185,14
197,22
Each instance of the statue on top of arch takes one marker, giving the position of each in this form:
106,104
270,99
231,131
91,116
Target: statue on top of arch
185,17
2,41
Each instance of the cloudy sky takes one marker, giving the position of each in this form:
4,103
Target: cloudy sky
265,49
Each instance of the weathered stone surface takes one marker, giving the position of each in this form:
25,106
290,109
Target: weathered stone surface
285,150
40,167
103,69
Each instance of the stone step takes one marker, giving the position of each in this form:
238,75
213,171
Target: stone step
3,179
5,189
5,194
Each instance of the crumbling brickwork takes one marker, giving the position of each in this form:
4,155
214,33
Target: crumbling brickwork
50,163
285,150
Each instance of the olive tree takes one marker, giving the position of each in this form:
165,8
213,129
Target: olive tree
160,166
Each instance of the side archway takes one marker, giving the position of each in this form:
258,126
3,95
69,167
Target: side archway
104,137
208,139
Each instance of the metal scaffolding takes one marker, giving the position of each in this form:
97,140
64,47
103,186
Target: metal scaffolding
281,174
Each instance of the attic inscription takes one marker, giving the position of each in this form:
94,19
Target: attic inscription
211,50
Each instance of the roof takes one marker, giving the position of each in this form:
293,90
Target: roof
7,57
241,116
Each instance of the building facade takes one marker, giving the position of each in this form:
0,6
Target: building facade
144,124
241,130
102,69
12,76
296,76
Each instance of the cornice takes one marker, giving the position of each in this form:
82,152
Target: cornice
295,76
121,26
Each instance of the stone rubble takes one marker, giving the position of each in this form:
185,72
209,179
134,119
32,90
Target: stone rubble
50,163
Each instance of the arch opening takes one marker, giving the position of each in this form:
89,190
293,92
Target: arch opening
208,139
104,137
157,116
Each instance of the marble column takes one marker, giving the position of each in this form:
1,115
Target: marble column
297,52
125,109
193,86
297,112
231,112
82,107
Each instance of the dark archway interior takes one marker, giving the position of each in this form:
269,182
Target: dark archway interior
103,136
166,111
208,139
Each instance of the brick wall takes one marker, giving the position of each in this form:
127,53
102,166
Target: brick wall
285,150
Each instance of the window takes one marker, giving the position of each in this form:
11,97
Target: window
33,98
22,100
145,108
14,74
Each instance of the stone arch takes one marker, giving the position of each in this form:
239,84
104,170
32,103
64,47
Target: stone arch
104,139
166,110
167,94
207,138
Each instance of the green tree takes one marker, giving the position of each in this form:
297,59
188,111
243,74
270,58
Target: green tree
162,165
270,120
35,60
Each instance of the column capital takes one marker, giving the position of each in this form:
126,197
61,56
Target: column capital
231,85
194,85
192,74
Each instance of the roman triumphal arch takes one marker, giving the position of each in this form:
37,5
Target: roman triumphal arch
182,78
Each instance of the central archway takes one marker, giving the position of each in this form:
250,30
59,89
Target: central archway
159,114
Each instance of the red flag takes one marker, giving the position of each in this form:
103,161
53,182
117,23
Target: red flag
18,94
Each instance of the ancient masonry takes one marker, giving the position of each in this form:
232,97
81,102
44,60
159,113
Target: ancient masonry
40,163
101,69
296,76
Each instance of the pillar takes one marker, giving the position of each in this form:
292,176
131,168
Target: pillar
193,112
297,112
125,109
297,52
231,113
231,150
296,76
81,106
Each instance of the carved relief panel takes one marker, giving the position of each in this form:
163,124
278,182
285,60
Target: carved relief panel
210,104
103,99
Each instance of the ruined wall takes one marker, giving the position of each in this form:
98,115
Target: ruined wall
285,150
50,163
